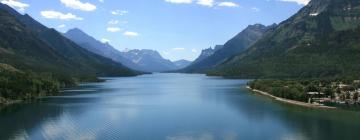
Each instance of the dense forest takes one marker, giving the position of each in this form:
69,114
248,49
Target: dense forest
36,60
328,91
335,55
19,85
320,41
237,44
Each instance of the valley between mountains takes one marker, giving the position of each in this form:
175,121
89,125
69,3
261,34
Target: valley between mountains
319,44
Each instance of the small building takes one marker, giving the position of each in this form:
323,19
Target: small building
315,96
334,84
341,86
315,93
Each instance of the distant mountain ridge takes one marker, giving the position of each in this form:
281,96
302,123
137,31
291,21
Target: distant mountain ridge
28,45
104,49
236,45
141,60
321,40
149,60
182,63
207,53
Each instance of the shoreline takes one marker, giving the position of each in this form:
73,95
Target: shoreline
7,102
293,102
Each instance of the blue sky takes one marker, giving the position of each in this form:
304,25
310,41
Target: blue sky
178,29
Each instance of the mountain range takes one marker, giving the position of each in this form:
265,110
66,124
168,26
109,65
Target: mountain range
141,60
207,53
210,58
321,40
149,60
93,45
30,46
182,63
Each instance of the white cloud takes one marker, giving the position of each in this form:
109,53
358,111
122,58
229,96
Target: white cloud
209,3
61,26
131,34
179,1
113,29
178,49
194,51
58,15
102,1
119,12
104,40
301,2
255,9
77,4
16,4
228,4
113,22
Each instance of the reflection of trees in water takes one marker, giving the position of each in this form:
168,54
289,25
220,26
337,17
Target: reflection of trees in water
309,122
261,116
323,124
22,118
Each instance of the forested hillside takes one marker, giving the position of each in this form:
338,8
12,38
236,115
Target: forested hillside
44,60
234,46
321,40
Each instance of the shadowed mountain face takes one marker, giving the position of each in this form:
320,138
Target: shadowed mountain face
212,57
149,60
321,40
104,49
28,45
207,53
181,64
140,60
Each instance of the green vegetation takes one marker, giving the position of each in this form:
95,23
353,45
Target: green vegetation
236,45
288,89
316,50
304,46
18,85
324,91
335,55
44,60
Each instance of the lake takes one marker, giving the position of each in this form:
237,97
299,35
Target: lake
172,107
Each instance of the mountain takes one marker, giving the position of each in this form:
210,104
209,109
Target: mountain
207,52
149,60
104,49
181,63
30,46
321,40
236,45
140,60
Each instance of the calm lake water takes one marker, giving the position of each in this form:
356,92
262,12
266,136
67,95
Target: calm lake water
172,107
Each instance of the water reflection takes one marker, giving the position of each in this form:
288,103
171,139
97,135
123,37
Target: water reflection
171,107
